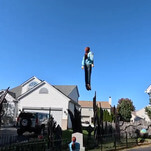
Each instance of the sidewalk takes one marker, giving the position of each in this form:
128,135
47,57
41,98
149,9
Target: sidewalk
142,147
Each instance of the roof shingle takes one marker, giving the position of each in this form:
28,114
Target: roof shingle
89,104
66,89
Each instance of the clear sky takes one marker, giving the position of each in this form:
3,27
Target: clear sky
46,39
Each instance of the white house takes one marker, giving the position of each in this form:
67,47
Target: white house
87,109
148,91
38,95
140,115
9,108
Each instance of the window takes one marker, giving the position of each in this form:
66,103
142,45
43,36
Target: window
32,84
43,91
90,109
92,120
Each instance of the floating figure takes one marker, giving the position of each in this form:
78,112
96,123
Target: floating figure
74,146
87,64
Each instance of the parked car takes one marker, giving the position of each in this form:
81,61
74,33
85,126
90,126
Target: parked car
31,122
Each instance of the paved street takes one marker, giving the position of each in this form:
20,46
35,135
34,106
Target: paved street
8,131
141,148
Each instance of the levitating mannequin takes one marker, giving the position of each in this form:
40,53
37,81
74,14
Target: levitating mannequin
87,64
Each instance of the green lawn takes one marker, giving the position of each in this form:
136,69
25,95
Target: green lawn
91,144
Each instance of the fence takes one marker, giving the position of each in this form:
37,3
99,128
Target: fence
29,146
7,139
113,141
105,143
11,144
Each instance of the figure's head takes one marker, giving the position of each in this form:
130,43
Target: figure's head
87,49
73,139
73,144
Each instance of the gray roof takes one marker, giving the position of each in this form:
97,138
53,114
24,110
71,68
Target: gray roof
17,90
12,94
65,89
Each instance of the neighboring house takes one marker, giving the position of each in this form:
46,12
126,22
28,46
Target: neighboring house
148,91
38,95
135,118
87,109
140,115
9,108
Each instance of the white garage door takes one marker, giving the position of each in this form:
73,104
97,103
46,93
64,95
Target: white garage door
55,112
57,115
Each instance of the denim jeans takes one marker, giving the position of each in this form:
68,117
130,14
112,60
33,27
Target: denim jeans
88,74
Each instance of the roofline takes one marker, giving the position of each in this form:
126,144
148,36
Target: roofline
30,79
39,85
31,90
66,96
75,103
42,108
77,91
91,101
27,80
75,86
92,107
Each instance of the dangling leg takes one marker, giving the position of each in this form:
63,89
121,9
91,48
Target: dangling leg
86,76
89,76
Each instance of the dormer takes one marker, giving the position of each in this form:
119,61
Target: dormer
30,83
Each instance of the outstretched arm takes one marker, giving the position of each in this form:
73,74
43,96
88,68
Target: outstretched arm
83,61
92,59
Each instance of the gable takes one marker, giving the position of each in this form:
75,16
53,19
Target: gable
17,90
143,114
29,84
26,86
148,89
31,90
89,104
43,88
52,99
74,95
9,96
70,91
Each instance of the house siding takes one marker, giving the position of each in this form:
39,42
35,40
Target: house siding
53,100
26,86
74,95
87,114
71,107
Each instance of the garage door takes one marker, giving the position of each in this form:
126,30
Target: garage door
57,115
55,112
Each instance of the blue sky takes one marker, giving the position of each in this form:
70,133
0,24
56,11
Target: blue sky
47,39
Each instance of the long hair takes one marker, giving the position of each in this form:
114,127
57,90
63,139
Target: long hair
87,50
73,143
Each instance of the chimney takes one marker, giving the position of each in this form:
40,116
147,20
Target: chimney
110,100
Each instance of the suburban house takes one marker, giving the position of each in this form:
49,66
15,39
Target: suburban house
87,109
39,96
140,115
148,91
9,107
